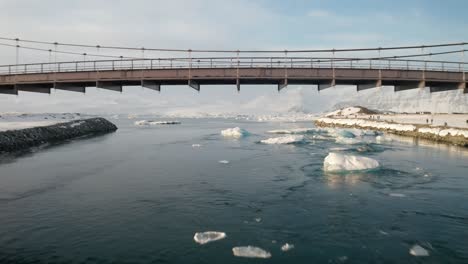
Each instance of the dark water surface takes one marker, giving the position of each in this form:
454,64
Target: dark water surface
140,194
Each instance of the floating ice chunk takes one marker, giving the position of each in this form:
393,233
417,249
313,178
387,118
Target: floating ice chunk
400,195
235,132
341,162
209,236
381,138
338,149
224,161
418,251
250,252
196,145
346,134
152,123
296,131
347,141
383,233
258,219
284,140
287,247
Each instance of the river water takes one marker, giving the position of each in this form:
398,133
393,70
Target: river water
140,194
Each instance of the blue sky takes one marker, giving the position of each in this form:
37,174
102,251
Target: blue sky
236,24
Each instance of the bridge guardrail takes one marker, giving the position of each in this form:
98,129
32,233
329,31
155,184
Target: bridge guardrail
233,63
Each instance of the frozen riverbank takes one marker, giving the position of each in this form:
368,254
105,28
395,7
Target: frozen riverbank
452,135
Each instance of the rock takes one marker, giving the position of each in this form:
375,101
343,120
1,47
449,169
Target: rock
14,140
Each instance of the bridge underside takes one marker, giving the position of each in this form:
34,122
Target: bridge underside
323,78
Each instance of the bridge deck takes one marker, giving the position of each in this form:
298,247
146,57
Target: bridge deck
402,79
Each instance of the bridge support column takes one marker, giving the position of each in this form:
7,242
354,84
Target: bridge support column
35,88
194,85
112,86
238,85
369,85
326,84
283,84
72,87
8,89
442,87
151,85
409,85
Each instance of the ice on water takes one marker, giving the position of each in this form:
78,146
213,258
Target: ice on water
284,140
224,161
341,162
418,251
287,247
235,132
153,123
209,236
250,252
296,131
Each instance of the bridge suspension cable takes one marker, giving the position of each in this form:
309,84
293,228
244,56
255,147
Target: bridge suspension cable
236,51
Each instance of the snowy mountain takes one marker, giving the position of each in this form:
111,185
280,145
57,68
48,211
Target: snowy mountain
411,101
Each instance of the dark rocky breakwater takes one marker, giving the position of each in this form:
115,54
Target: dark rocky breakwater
14,140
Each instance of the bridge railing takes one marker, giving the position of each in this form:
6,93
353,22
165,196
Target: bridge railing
234,63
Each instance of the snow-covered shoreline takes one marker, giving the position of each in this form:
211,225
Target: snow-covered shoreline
457,136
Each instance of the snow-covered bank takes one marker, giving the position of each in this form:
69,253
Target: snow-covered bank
15,121
456,136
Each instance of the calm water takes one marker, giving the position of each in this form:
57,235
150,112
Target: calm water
140,194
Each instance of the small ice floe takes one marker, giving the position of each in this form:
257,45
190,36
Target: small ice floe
295,131
209,236
196,145
284,140
347,141
338,149
381,138
250,252
287,247
418,251
341,162
224,161
258,219
153,123
383,233
235,132
400,195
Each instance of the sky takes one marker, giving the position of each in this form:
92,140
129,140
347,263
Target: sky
206,24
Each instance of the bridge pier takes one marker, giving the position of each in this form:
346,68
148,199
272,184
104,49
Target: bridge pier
282,84
368,85
403,86
194,85
326,84
35,88
72,87
111,86
151,85
8,89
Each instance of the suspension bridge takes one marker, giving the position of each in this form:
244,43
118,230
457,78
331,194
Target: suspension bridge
400,67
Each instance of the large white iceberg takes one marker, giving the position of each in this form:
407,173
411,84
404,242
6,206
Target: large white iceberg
284,140
250,252
209,236
235,132
341,162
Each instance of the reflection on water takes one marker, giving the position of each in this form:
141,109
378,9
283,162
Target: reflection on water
139,196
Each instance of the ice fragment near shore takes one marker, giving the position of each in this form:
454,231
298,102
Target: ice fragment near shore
341,162
250,252
209,236
283,140
235,132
